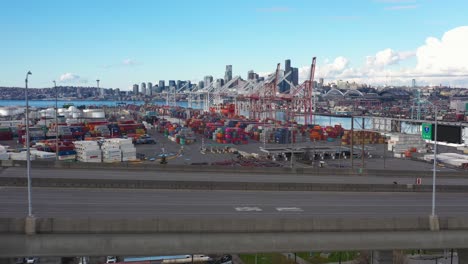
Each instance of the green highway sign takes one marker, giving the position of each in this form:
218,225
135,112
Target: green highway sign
426,131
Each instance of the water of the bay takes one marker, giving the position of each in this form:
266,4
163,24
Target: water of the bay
345,122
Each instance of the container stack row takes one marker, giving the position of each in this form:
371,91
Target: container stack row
229,135
6,133
3,153
453,159
362,137
88,151
406,144
103,130
111,151
126,147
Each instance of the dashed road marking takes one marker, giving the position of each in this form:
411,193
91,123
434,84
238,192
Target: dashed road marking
289,209
248,209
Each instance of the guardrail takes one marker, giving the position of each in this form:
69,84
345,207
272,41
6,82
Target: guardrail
207,168
176,224
213,185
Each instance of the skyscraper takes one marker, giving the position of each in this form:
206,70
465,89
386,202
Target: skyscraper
149,90
295,76
219,83
208,80
284,86
161,85
157,89
287,65
320,85
228,74
143,88
201,84
250,75
135,89
172,83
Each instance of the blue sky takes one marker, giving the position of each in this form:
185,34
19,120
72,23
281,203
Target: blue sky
126,42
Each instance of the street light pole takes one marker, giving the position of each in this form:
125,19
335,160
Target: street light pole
292,147
56,122
435,163
28,150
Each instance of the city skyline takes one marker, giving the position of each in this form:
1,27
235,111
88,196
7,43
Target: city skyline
122,43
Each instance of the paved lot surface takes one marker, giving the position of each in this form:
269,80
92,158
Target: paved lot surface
188,154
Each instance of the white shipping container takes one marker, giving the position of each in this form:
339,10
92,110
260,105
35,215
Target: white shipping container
454,155
4,156
43,154
90,153
20,156
91,161
111,151
67,157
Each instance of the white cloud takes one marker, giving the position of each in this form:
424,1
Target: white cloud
123,63
387,57
326,70
438,61
445,55
71,78
68,77
128,62
264,74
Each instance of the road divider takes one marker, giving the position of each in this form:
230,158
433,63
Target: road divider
133,166
214,185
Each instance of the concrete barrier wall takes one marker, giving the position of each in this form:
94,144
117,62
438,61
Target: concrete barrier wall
101,237
208,185
227,225
196,168
214,243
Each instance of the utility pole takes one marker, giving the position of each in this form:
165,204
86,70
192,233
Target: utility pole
292,146
385,151
362,151
352,142
264,132
56,122
28,147
435,164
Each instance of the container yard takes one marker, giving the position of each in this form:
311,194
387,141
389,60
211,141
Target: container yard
177,135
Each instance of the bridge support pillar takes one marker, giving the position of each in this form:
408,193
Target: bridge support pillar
462,255
30,225
382,257
7,261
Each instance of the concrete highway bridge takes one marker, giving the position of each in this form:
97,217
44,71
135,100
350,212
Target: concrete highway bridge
95,219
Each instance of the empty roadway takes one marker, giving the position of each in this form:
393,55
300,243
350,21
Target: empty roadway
114,203
223,176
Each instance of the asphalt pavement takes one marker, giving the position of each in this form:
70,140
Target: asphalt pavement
223,177
76,203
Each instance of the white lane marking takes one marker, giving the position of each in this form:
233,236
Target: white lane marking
248,209
289,209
